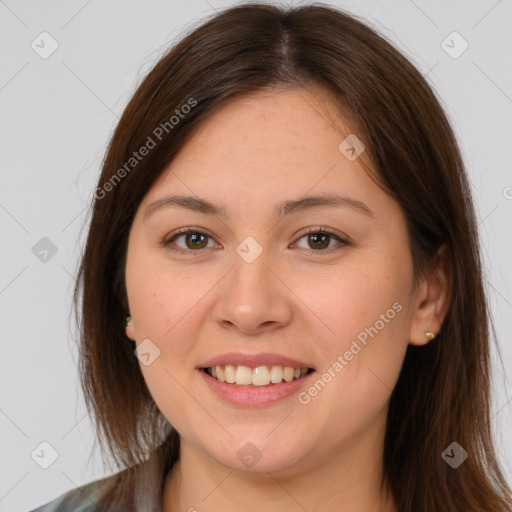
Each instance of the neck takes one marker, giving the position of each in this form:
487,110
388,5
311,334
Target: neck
348,480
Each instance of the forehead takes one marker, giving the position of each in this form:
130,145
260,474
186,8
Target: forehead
262,146
289,124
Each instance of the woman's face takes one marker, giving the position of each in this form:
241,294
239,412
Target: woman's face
250,289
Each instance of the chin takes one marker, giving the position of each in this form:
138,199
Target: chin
258,454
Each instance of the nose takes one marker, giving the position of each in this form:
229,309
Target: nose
253,297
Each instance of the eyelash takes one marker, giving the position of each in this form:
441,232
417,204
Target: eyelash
168,241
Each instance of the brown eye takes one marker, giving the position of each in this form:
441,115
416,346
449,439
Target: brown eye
193,239
318,240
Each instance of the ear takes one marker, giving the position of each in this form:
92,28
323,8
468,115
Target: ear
433,296
130,330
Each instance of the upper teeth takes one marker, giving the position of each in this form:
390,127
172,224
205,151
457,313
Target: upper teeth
259,376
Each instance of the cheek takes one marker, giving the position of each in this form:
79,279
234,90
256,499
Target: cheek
357,299
162,297
364,313
165,306
171,392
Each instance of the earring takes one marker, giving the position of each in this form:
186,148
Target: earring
128,319
430,335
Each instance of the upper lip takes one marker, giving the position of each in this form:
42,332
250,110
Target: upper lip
253,360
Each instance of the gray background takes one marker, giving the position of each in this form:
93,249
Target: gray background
57,115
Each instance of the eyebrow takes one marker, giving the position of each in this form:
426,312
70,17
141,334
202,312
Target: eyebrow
282,209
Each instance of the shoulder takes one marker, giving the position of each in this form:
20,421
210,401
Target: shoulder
148,479
81,499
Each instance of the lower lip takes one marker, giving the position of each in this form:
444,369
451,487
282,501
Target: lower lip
256,395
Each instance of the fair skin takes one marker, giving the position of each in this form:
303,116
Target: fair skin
294,299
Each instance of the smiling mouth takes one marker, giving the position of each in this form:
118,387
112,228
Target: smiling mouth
240,375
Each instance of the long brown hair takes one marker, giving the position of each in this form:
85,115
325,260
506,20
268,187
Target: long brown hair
443,392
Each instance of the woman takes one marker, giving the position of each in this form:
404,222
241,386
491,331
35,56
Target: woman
281,293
